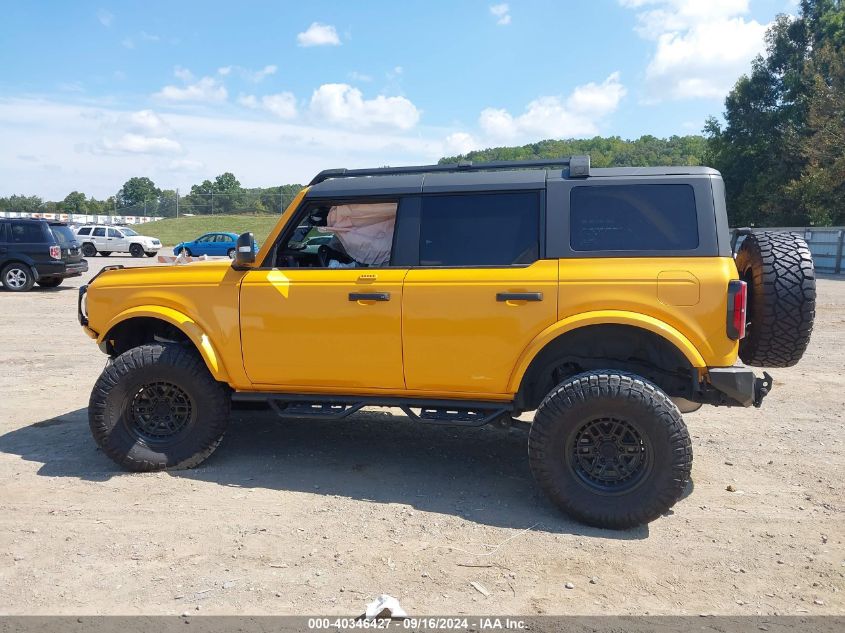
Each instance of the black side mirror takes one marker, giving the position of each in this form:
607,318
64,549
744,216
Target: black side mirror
244,250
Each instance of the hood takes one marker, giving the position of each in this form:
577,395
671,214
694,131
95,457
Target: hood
195,273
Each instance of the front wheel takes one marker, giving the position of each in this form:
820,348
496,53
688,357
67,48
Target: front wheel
18,277
157,407
151,253
136,250
610,449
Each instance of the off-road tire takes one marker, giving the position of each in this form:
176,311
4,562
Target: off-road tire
17,277
50,282
89,250
112,405
136,250
589,399
781,278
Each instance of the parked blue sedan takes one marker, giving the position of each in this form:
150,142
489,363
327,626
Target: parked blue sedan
212,244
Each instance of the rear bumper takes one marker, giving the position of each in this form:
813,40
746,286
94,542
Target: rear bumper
61,269
736,387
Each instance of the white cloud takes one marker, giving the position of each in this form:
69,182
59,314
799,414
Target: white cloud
341,103
105,17
701,48
205,89
259,75
146,122
356,76
254,76
184,74
502,13
319,35
211,144
140,144
579,114
460,143
283,105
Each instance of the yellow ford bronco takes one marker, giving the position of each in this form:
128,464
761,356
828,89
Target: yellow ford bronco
608,301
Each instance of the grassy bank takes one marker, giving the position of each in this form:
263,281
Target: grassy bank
174,230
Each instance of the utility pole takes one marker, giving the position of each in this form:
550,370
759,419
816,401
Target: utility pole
212,202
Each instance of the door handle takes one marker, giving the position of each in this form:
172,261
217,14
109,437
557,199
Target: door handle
519,296
369,296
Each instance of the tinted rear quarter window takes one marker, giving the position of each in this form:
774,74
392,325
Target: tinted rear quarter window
63,234
633,218
480,229
27,232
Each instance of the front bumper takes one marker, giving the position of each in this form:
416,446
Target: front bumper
737,387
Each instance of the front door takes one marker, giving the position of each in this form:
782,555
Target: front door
480,294
115,241
327,319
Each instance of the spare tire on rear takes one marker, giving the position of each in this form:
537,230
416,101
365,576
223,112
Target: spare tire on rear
781,278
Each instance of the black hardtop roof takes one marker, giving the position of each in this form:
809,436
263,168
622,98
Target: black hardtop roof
499,175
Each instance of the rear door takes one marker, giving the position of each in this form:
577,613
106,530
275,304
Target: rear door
480,293
30,238
98,237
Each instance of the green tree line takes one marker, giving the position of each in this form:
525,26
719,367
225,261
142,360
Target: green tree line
140,196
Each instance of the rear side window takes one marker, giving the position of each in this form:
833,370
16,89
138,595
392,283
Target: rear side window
85,230
99,232
27,232
63,234
500,229
633,218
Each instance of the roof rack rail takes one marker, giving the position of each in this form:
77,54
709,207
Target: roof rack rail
579,167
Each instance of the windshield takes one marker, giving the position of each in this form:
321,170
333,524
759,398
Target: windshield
63,234
129,232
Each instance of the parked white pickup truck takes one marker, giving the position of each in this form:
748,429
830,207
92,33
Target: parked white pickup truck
106,240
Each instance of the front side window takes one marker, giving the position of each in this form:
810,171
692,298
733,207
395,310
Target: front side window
633,218
497,229
114,233
341,235
205,239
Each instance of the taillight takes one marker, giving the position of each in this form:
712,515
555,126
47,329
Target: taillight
737,307
55,252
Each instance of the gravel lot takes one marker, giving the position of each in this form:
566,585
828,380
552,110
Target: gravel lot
313,517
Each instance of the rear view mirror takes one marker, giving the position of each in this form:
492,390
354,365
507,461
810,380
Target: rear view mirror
244,250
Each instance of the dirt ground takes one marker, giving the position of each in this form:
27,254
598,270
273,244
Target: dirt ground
313,517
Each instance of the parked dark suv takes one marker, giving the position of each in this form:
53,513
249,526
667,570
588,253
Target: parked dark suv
37,251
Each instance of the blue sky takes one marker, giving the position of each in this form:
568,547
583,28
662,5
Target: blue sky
92,93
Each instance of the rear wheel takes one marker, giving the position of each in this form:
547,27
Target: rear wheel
88,249
50,282
610,449
231,253
17,277
136,250
781,278
157,407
